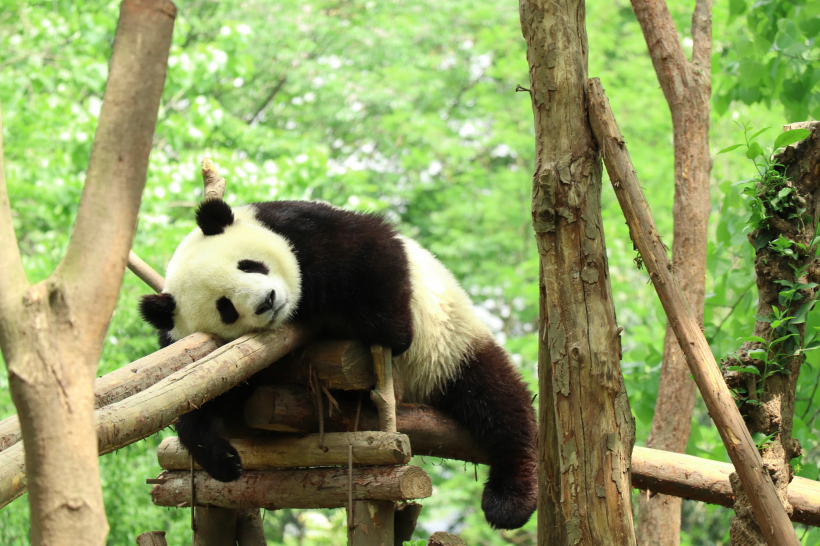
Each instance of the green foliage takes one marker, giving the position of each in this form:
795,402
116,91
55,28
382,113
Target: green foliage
773,58
420,542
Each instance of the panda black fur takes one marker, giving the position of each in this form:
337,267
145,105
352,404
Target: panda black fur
258,266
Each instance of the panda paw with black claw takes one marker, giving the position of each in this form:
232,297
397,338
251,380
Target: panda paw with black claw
221,461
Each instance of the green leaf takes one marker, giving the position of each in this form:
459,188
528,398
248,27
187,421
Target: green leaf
803,312
758,354
789,137
729,149
754,150
757,134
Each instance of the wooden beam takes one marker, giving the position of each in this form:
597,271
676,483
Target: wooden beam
291,451
305,488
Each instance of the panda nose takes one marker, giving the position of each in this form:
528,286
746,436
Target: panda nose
267,305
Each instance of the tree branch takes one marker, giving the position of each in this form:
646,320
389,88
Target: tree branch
13,280
665,48
119,161
268,99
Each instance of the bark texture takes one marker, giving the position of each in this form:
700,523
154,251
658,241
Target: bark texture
51,334
775,407
686,86
586,430
719,400
373,524
308,488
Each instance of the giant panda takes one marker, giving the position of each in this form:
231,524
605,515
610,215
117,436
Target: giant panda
259,266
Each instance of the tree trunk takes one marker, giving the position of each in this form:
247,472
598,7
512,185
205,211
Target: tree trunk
586,430
771,412
687,86
51,334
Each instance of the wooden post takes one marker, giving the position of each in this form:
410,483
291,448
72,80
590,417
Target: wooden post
383,395
373,523
249,529
215,526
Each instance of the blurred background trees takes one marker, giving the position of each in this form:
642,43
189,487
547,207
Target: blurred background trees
407,108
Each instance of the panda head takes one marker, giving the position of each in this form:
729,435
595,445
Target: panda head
229,277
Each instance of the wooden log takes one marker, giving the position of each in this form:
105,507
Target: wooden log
155,408
306,488
215,526
383,394
708,481
249,528
369,449
372,524
132,378
771,516
339,365
152,538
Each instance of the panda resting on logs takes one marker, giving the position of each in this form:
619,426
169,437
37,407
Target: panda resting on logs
259,266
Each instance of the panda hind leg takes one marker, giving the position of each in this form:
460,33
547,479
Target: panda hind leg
490,399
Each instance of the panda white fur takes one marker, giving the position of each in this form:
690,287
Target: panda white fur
259,266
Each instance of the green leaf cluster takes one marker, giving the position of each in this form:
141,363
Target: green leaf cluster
774,58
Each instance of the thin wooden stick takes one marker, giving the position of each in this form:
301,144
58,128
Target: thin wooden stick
771,517
383,395
145,272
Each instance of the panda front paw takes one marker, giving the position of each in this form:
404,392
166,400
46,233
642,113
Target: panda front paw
221,461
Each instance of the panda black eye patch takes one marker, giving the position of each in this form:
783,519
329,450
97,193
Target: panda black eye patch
226,310
252,266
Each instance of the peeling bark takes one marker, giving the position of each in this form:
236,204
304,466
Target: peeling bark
586,430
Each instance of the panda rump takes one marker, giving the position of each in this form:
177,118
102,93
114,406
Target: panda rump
259,266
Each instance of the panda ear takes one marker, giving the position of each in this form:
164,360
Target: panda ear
213,216
158,310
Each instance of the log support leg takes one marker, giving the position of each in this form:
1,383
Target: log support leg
405,523
373,523
215,526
